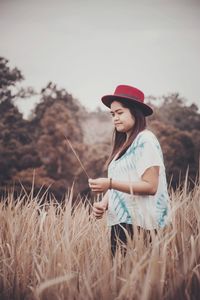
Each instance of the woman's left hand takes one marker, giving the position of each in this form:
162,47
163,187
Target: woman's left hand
99,185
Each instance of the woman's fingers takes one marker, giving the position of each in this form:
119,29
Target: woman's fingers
98,185
92,182
95,188
98,215
98,205
98,210
93,185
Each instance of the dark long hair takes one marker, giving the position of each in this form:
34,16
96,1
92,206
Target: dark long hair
120,145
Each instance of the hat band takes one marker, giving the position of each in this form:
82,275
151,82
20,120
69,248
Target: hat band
129,96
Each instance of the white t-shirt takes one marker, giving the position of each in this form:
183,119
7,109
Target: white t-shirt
146,211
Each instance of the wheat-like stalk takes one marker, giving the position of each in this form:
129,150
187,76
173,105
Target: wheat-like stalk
51,251
77,157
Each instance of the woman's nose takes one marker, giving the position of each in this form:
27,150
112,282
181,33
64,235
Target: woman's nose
116,118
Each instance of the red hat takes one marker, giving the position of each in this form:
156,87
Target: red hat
127,92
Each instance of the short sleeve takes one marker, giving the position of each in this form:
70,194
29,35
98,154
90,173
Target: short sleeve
148,153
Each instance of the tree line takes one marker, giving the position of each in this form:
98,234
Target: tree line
36,150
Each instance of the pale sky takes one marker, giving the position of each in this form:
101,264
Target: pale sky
89,47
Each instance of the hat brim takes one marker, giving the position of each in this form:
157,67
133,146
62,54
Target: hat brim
108,99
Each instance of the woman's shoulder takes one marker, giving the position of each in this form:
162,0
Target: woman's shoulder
147,135
146,143
144,138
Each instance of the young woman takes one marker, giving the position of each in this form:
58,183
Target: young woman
136,187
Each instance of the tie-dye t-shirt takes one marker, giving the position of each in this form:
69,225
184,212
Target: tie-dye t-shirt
147,211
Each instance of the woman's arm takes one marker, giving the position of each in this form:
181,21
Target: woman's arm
148,184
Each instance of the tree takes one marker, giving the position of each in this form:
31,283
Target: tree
8,78
16,151
178,150
173,111
57,116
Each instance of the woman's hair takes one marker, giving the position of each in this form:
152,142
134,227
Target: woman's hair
120,145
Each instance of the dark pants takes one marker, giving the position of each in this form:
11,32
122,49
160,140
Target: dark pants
119,234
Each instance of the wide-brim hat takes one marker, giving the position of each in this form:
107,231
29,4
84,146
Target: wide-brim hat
128,93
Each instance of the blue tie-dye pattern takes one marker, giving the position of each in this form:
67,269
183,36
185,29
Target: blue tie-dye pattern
127,165
162,210
121,205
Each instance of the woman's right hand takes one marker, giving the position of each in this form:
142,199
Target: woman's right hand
98,209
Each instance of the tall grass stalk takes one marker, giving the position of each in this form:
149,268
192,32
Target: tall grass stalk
52,251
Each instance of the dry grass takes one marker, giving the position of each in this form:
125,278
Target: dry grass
49,252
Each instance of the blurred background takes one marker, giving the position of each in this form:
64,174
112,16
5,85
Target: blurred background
59,57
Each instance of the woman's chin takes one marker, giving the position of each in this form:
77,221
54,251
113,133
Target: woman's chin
119,128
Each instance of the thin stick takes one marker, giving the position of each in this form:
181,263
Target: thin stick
73,150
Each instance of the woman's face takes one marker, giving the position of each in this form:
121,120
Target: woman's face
123,120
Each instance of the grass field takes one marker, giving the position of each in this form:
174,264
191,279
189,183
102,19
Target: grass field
49,251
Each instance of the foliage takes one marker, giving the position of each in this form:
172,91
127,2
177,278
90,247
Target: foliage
16,149
174,112
39,144
177,127
56,118
178,150
8,78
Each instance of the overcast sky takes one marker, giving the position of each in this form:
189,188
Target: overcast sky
88,47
